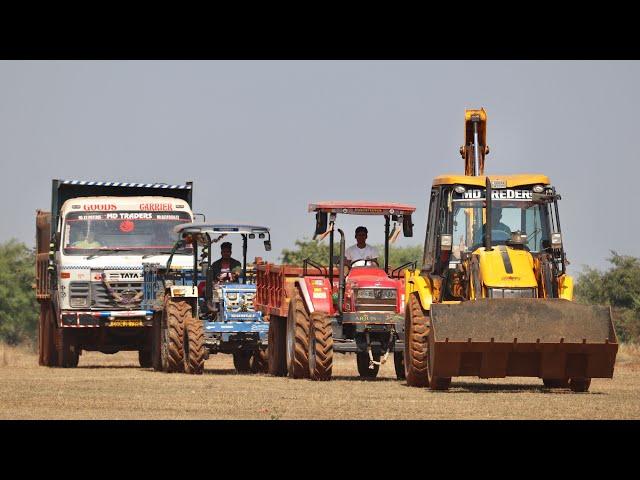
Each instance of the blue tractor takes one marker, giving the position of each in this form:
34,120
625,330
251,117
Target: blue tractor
202,310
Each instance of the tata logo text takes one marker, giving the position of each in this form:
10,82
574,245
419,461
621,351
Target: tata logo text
104,207
130,275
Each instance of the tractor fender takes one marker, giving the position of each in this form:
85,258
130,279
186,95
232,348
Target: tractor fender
414,282
316,292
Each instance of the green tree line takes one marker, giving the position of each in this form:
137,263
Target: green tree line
618,286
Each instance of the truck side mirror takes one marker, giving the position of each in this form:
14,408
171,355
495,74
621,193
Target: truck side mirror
407,226
321,223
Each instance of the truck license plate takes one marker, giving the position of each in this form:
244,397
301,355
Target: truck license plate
125,323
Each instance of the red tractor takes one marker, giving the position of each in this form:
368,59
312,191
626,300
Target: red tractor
316,310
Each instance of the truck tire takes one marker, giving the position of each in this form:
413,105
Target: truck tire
242,361
277,346
362,359
145,358
556,382
297,338
156,347
177,312
416,347
320,347
194,348
48,329
260,361
579,384
68,354
398,363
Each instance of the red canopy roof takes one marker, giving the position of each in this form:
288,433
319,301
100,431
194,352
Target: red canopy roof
362,208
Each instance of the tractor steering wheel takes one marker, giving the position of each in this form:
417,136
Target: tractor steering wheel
366,261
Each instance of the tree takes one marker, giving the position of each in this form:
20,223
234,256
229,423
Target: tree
618,287
18,306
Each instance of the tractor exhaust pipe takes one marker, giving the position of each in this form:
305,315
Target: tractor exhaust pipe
341,272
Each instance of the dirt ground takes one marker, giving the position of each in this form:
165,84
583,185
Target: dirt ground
114,387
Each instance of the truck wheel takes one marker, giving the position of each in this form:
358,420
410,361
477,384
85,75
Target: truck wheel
320,347
362,359
277,346
242,361
47,339
579,384
194,349
68,355
176,314
556,382
398,363
416,347
260,361
145,358
156,333
297,338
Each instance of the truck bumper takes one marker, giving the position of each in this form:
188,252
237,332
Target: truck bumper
113,318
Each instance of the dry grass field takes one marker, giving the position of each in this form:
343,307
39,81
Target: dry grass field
114,387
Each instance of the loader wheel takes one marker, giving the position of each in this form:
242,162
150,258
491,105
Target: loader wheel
156,347
416,347
176,314
193,346
68,355
277,346
145,358
362,358
260,361
320,347
242,361
579,384
297,338
398,363
556,382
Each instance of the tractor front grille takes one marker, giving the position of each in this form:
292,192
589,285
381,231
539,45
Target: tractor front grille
375,299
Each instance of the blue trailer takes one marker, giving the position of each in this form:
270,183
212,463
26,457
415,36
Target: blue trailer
196,314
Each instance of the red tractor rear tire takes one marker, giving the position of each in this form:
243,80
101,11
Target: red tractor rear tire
320,347
298,338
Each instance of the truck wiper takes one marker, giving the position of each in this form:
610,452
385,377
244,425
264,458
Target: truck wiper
146,255
108,250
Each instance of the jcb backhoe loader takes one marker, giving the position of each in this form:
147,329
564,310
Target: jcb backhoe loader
493,298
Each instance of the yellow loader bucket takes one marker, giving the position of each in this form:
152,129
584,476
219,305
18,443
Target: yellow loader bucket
522,337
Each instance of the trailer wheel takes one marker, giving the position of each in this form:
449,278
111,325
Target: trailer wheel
556,382
297,338
176,313
260,361
193,347
362,359
145,358
320,347
398,363
68,355
277,346
416,347
579,384
156,342
242,361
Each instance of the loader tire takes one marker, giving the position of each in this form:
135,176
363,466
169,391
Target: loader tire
68,355
193,346
277,350
176,315
579,384
260,361
145,358
242,361
556,382
362,359
398,363
297,338
156,340
416,346
320,347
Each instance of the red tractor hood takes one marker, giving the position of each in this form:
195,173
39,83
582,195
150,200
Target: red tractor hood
370,277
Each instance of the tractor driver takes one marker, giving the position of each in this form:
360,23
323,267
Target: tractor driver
496,224
361,251
227,268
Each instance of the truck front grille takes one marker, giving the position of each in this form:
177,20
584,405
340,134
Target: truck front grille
122,295
79,294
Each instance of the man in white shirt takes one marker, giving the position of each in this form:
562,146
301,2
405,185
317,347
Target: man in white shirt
361,251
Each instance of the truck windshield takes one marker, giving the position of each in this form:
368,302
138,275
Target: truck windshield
131,231
469,220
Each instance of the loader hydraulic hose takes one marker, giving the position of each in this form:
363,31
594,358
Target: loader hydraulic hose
487,223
